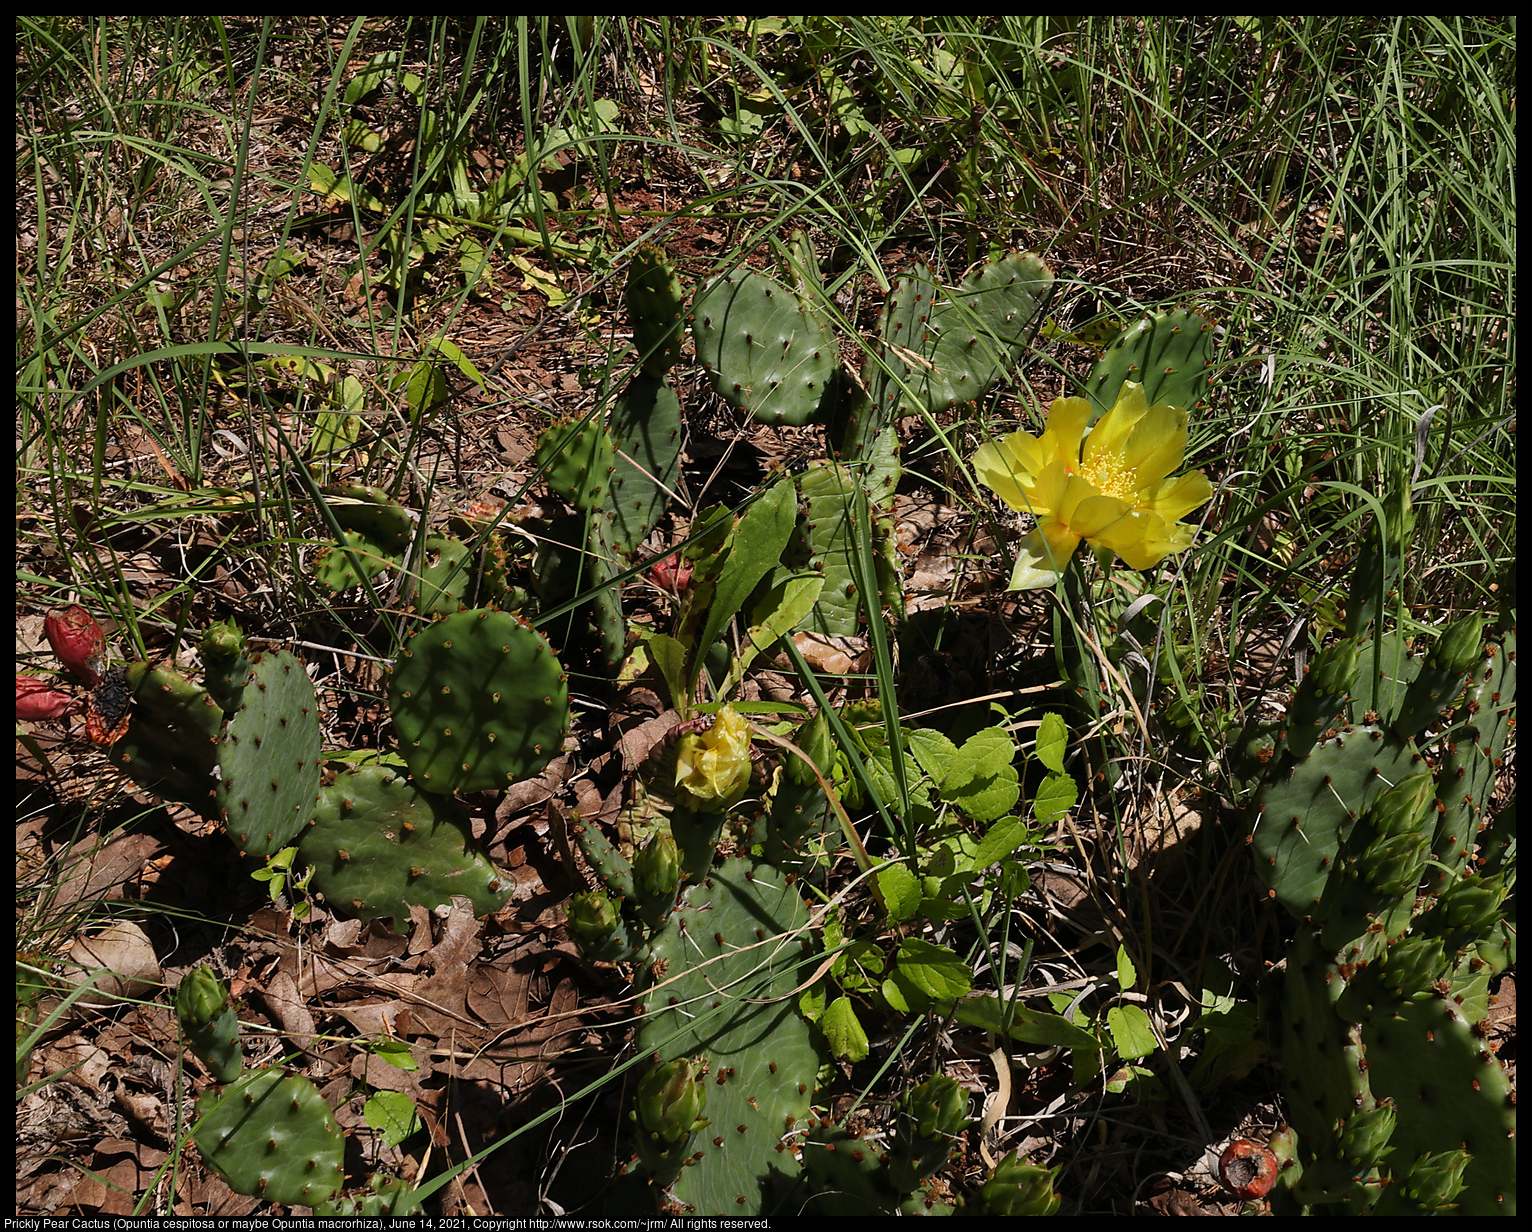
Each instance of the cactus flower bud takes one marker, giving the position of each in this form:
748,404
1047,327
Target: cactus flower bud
673,574
200,999
1473,906
1393,865
78,642
713,767
935,1113
657,866
37,700
1335,667
1413,965
671,1100
223,640
1402,808
1017,1187
1248,1168
592,918
1366,1134
212,1027
1433,1181
1460,645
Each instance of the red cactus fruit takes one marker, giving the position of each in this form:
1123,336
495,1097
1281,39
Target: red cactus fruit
1247,1168
36,699
78,641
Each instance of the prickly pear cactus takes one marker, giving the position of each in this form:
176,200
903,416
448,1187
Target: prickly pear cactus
576,460
721,975
1366,829
225,664
479,700
270,1134
655,303
375,531
211,1025
171,745
1169,353
379,846
268,759
766,350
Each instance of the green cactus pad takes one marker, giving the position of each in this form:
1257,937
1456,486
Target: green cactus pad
655,302
943,347
1169,353
446,576
479,701
1306,813
271,1135
766,351
208,1018
378,846
268,760
576,460
171,745
370,511
357,559
723,970
646,435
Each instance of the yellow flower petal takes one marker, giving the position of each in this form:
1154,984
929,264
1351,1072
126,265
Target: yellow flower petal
1111,487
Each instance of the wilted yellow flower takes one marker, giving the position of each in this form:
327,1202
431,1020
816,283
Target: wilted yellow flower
1110,488
713,767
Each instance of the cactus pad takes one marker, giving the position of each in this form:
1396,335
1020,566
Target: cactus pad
271,1135
479,701
268,760
766,351
378,846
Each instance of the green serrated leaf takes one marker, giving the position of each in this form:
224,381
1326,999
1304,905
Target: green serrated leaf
1052,742
1056,795
981,779
393,1115
1131,1032
900,891
1004,837
932,970
1127,974
843,1031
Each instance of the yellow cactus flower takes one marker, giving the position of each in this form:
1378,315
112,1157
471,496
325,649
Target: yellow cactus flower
1111,487
713,767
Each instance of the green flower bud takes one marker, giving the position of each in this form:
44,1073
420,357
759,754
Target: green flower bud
1473,906
1366,1134
1334,669
1402,808
937,1108
201,999
1433,1181
592,918
934,1113
670,1101
713,767
1460,645
1017,1187
1392,865
210,1023
1413,965
657,867
223,640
